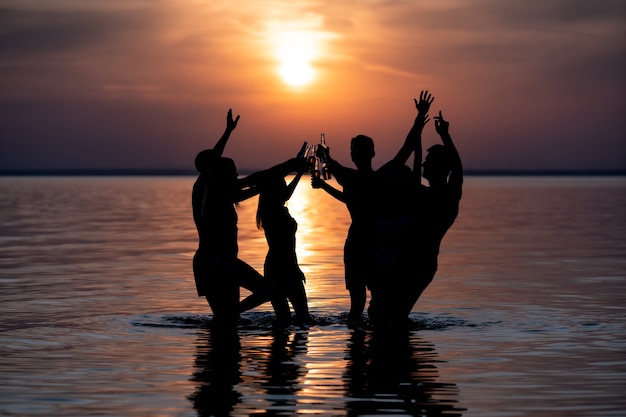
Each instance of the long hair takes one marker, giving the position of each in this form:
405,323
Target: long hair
271,197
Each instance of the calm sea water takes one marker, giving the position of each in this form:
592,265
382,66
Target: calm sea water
99,315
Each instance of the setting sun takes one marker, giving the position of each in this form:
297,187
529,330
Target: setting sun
296,73
296,50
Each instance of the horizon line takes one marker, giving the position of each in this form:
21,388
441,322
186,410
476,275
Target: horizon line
192,172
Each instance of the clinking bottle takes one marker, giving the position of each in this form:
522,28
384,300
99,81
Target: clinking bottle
323,162
311,158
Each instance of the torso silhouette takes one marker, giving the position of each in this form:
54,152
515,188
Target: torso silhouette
439,210
280,232
216,220
360,199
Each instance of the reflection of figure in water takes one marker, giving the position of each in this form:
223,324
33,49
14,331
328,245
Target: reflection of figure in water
218,272
361,196
216,372
392,373
284,373
281,269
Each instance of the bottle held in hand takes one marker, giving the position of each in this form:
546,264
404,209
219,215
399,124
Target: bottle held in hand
316,169
323,162
311,158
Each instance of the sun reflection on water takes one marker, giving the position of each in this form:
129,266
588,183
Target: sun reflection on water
101,315
322,229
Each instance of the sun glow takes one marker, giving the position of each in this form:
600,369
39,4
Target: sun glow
298,45
296,50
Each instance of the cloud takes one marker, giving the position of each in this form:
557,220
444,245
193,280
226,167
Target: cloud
52,31
504,71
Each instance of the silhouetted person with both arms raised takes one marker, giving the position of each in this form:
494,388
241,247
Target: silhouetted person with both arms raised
412,224
361,189
218,271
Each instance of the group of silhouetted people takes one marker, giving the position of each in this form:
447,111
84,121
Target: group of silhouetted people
393,240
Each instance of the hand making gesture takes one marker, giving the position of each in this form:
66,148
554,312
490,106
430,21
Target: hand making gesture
441,125
230,123
423,105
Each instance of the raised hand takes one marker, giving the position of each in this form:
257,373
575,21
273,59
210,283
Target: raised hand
230,126
297,165
302,150
423,121
441,125
230,123
423,105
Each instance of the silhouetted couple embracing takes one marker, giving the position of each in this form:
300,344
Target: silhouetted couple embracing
392,244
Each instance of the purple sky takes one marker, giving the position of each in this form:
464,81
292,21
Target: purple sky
136,84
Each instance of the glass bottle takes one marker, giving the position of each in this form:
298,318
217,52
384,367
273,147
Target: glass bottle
311,158
324,163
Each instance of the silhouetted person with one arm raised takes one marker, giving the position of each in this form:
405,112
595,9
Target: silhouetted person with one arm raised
443,170
359,199
281,269
361,194
218,271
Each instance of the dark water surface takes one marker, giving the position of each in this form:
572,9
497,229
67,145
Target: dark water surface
526,316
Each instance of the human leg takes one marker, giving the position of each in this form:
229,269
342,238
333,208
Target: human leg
278,299
297,297
281,309
250,279
359,268
223,298
215,283
201,270
358,296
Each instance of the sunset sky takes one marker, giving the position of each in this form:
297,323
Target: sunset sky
146,84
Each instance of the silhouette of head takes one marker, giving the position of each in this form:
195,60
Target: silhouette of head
436,165
272,196
397,191
203,160
362,150
216,167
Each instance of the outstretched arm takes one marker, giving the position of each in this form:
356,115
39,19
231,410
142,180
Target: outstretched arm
248,185
320,183
293,184
230,126
341,173
456,174
413,141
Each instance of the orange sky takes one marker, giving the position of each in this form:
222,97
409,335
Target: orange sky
146,84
